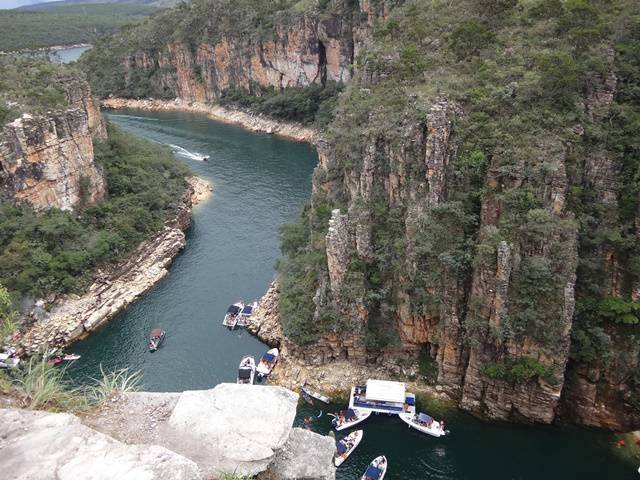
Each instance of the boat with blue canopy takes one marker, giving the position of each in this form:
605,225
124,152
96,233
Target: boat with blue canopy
349,418
376,469
383,396
231,317
425,424
267,362
346,446
247,312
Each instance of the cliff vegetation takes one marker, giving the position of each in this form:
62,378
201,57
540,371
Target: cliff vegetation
57,251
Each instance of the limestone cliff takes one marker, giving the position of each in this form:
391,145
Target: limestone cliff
47,159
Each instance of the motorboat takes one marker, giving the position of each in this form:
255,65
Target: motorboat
205,158
314,394
346,446
424,423
247,370
350,418
247,312
231,317
267,362
70,357
376,469
156,337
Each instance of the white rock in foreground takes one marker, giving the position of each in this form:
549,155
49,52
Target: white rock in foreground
56,446
306,455
231,428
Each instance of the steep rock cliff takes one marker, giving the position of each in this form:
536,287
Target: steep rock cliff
47,159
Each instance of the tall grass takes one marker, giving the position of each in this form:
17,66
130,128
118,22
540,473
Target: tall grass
43,386
118,381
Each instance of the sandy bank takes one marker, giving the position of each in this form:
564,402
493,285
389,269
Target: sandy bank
253,122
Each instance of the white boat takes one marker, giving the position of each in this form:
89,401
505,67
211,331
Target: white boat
267,362
247,312
383,396
314,393
376,469
8,362
346,446
424,423
247,370
231,317
350,418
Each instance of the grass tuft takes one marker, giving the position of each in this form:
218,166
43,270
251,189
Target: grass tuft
118,381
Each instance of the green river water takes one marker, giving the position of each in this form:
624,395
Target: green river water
261,182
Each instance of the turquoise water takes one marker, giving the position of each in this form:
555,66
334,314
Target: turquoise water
261,182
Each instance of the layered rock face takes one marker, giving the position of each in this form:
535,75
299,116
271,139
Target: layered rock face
47,160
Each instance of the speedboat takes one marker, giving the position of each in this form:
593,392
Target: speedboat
70,357
346,446
310,392
247,370
231,317
424,423
156,337
247,311
205,158
376,469
349,418
267,362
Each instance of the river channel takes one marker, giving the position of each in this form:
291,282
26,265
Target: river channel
261,182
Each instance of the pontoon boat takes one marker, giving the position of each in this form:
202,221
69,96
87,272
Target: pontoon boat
231,317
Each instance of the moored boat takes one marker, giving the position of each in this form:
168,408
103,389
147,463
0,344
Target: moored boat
267,362
424,423
8,361
247,370
314,393
231,317
346,446
350,418
246,313
376,469
156,337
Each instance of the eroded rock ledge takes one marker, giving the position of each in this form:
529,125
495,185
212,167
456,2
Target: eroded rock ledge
246,429
73,317
253,122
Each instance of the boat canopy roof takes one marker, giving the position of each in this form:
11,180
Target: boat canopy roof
247,310
349,414
423,417
244,373
373,472
268,357
156,332
233,309
385,391
341,447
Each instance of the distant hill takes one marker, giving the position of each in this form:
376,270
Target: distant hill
66,24
39,5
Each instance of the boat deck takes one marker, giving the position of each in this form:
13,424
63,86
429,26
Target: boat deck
359,401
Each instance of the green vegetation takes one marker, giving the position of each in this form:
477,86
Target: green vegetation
40,385
57,251
65,25
518,370
313,104
7,314
30,85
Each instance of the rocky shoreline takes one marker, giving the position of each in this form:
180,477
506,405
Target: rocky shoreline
244,119
71,317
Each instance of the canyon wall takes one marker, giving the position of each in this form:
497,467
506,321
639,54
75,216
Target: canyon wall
47,160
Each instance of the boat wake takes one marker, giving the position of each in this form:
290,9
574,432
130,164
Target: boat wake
149,119
183,152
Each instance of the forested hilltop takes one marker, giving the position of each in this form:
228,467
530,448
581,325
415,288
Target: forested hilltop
476,204
65,24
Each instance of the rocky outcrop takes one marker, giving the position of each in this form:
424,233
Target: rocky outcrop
47,160
246,429
231,429
72,317
248,120
56,446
